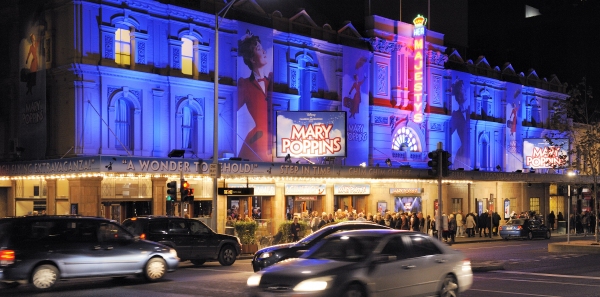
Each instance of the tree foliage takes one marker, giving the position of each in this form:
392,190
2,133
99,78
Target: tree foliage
578,118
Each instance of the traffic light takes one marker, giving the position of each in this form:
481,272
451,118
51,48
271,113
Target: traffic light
446,163
172,191
434,163
189,197
184,188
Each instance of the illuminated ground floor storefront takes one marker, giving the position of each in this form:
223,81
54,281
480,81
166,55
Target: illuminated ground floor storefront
279,190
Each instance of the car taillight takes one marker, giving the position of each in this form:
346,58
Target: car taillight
7,257
500,228
143,236
519,227
466,265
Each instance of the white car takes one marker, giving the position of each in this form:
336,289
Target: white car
368,263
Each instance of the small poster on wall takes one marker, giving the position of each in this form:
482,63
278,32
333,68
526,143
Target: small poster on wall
381,207
408,204
74,208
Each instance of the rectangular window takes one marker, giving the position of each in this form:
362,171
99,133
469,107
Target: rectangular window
187,56
534,204
456,205
122,47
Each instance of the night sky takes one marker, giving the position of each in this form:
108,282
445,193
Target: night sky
561,41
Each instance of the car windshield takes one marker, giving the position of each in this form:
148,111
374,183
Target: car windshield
344,248
320,233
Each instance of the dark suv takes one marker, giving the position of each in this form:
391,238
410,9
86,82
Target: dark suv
192,239
44,249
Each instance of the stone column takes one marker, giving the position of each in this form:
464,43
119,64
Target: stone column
51,196
86,193
159,196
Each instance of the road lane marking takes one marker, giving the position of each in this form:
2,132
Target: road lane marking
531,280
548,274
512,293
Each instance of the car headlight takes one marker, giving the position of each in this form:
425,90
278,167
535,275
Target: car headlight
265,255
314,284
173,252
254,280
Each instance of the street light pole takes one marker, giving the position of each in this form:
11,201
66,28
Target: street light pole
215,162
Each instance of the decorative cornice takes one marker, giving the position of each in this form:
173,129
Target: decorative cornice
384,46
436,58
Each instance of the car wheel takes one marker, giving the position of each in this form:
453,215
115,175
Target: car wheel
44,277
449,287
354,290
530,235
155,269
227,256
548,234
198,262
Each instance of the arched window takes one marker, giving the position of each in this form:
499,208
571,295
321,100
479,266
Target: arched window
187,128
484,154
187,56
123,47
405,140
123,125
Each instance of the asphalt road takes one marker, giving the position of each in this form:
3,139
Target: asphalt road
517,268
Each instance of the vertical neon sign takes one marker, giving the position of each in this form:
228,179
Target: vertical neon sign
418,35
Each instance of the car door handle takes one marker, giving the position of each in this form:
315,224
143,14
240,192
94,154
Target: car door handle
440,260
408,266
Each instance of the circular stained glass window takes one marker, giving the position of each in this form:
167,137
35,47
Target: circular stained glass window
405,140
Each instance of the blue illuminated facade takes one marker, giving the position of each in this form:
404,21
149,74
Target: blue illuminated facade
135,79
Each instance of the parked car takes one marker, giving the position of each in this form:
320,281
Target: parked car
41,250
524,228
192,239
268,256
368,263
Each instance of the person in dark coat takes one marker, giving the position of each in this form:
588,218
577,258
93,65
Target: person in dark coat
551,219
560,217
482,223
295,229
496,220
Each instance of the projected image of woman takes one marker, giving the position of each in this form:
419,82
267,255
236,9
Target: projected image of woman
254,95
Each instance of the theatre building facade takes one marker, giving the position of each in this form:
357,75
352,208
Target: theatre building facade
111,101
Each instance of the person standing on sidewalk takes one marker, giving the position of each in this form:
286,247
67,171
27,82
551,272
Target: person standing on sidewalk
585,222
460,224
452,225
470,224
551,219
482,223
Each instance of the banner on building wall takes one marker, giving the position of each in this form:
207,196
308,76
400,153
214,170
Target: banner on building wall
355,101
540,153
259,189
408,204
31,143
459,145
311,134
514,102
352,189
304,189
255,87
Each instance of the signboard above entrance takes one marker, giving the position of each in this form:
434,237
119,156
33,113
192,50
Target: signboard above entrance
236,191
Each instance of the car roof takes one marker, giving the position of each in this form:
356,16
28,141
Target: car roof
153,217
343,223
371,232
53,217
